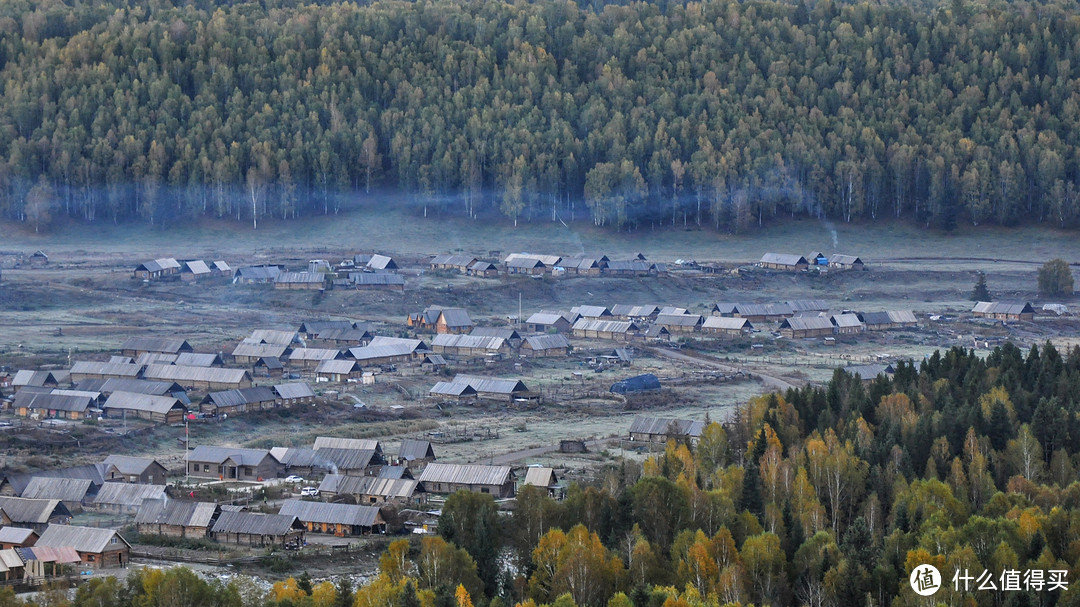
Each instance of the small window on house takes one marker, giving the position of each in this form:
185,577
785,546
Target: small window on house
113,540
206,467
248,470
90,558
484,490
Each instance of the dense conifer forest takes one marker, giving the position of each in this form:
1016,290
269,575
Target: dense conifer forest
718,113
822,496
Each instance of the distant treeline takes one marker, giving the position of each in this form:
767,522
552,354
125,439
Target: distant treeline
717,113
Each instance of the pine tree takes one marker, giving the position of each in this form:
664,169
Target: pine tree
980,292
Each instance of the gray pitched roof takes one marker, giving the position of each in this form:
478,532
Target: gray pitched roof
14,535
84,539
32,511
665,425
167,345
381,262
545,318
128,494
142,402
475,342
590,311
808,305
368,485
375,278
64,489
300,278
267,273
90,367
1003,307
241,396
254,524
841,259
334,442
175,512
679,320
52,401
547,342
724,323
338,366
783,259
869,371
260,350
806,323
465,474
294,390
208,374
491,385
142,386
126,464
604,326
503,332
319,512
217,455
273,336
846,320
455,317
315,354
196,267
412,448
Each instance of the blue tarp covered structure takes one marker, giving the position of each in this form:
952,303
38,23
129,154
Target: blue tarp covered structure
638,383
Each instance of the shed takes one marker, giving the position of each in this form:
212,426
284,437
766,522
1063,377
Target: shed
548,322
377,281
295,393
381,263
460,263
194,270
870,372
679,323
126,498
469,345
340,520
310,358
545,478
638,383
249,352
1004,310
313,281
730,327
44,405
635,313
336,442
415,452
339,370
371,490
525,265
160,409
783,261
16,537
806,326
484,269
256,275
206,378
39,259
604,329
846,262
544,346
847,323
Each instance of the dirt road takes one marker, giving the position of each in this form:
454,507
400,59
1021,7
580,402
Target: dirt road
768,380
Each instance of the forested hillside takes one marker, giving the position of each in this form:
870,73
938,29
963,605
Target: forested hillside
717,113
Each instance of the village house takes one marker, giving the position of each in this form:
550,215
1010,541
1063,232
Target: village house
339,520
582,266
1004,310
488,388
126,498
232,463
847,324
424,321
242,400
446,391
309,358
884,321
679,323
869,373
629,267
202,378
484,269
220,268
591,312
802,306
548,322
846,262
357,336
273,336
458,263
174,518
545,478
39,379
41,405
190,271
160,409
36,514
371,490
381,263
306,462
454,321
783,261
469,345
312,281
14,484
727,327
544,346
338,442
376,281
800,327
258,530
312,328
251,275
510,334
98,548
663,429
157,269
139,470
39,259
771,312
339,370
17,537
90,369
446,479
525,265
390,350
141,386
294,393
415,453
621,330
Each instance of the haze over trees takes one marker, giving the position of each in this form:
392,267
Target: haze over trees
717,113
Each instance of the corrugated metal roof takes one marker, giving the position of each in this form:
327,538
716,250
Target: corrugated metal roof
207,374
902,316
545,318
724,323
10,558
240,396
503,332
846,260
679,320
491,385
449,388
126,464
375,278
628,265
338,366
373,350
197,359
52,401
394,472
381,262
353,335
415,344
637,383
25,377
148,358
273,336
14,535
412,448
634,311
807,305
174,512
368,485
1003,307
167,345
605,326
94,472
590,311
221,266
453,260
846,321
783,259
49,554
294,390
314,354
335,514
349,459
90,367
142,402
83,539
300,278
142,386
666,425
556,341
254,524
260,350
334,442
527,263
806,323
128,494
465,474
268,273
455,317
876,318
540,477
217,455
196,267
547,260
483,266
72,490
475,342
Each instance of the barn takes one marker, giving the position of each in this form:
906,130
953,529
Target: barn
783,261
544,346
311,281
339,370
547,322
621,330
679,323
847,323
261,530
241,400
728,327
449,478
160,409
846,262
806,326
206,461
174,518
459,263
469,345
340,520
1004,310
